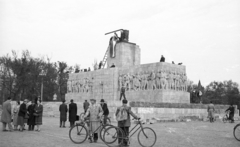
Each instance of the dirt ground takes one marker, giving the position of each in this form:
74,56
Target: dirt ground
171,134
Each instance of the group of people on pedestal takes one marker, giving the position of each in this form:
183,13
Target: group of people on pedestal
28,113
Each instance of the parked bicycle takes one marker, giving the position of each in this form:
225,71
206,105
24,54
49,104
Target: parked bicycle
226,117
114,136
80,131
236,132
82,115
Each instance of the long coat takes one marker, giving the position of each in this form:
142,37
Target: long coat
15,114
95,112
31,119
6,112
63,112
105,109
211,110
39,111
72,112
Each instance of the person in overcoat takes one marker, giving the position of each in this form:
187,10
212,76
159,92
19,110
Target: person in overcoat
124,125
31,119
15,114
211,110
72,113
63,114
38,114
95,111
85,106
6,115
21,114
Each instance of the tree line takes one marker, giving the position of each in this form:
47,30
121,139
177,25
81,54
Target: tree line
21,77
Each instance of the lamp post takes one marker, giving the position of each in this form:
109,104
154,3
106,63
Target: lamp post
43,73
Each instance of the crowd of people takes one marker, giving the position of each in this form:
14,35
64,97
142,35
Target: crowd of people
23,114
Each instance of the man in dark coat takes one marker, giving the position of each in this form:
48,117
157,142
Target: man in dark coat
85,106
6,115
105,111
21,114
63,114
31,119
72,113
124,125
231,113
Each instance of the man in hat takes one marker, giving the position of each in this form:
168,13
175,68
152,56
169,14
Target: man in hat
105,111
95,112
63,113
72,113
6,115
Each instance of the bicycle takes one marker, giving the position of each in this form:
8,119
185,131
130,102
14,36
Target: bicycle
80,131
146,136
82,115
226,118
236,132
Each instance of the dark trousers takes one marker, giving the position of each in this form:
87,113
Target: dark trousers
231,117
72,123
31,127
121,136
62,123
105,119
95,136
122,94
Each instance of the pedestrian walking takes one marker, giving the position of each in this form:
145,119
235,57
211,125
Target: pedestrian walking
6,115
63,114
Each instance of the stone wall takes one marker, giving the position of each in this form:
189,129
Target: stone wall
155,82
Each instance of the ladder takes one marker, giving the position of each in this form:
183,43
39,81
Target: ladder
104,61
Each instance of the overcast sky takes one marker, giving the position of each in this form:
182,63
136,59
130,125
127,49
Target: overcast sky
203,34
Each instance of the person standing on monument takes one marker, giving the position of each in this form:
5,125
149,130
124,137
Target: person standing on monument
6,115
211,110
95,112
162,59
85,106
63,114
72,113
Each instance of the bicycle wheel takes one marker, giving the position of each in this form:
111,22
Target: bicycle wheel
236,132
78,134
102,130
113,136
147,137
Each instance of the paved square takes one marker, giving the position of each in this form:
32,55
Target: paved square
176,134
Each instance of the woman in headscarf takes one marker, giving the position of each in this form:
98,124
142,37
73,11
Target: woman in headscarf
15,114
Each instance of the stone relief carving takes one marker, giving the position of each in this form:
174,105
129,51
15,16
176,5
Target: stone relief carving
160,79
84,85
